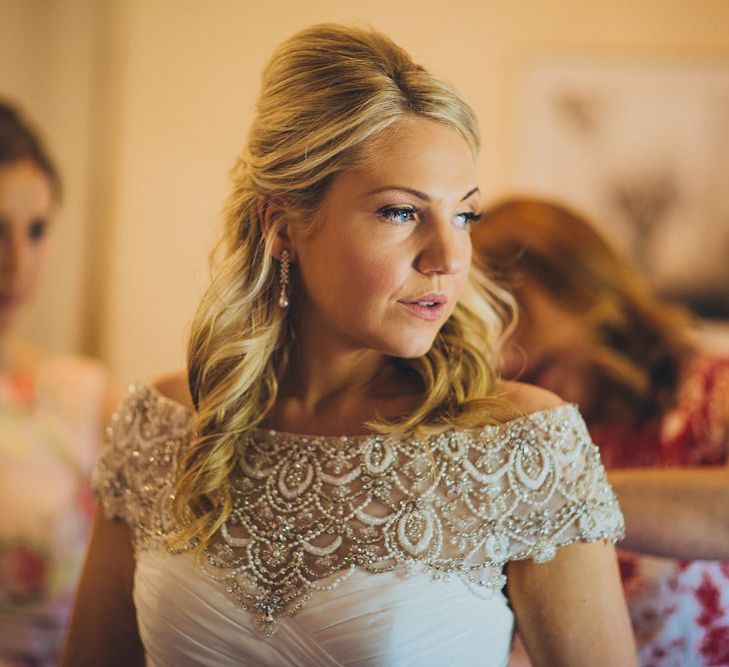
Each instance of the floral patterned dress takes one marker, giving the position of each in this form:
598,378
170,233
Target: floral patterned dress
49,428
679,609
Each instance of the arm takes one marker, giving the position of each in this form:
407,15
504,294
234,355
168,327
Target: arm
682,512
570,611
676,512
103,629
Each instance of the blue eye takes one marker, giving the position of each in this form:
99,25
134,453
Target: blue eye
467,217
399,214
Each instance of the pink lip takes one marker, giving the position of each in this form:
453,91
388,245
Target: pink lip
431,312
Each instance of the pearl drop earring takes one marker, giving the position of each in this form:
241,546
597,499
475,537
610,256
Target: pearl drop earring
283,279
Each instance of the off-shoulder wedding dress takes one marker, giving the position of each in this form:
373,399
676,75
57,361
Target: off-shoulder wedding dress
352,550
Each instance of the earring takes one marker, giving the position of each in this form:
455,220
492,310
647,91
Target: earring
283,279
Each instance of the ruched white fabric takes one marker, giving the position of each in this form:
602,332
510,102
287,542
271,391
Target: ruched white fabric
383,619
364,550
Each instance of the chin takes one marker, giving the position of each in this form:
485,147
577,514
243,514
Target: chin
413,350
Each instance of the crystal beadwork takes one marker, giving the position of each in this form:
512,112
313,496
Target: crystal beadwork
309,510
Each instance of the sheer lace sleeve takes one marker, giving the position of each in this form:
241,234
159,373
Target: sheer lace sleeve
134,476
541,485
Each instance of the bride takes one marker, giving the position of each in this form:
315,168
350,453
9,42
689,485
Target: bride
339,478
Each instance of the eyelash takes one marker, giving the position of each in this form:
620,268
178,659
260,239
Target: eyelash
392,212
471,217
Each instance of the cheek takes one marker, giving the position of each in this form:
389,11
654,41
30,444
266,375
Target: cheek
464,261
36,264
359,269
374,270
38,252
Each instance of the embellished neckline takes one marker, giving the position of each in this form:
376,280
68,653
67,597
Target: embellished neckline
308,511
356,438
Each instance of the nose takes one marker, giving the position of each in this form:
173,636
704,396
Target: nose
446,249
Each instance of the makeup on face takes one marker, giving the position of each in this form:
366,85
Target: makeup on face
385,263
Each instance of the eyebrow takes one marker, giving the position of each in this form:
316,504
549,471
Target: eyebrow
416,193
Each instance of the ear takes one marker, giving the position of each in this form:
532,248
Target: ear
270,213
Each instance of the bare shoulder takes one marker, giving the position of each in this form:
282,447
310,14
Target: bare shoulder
174,386
528,397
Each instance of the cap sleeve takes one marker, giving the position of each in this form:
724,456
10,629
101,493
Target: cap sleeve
542,480
137,463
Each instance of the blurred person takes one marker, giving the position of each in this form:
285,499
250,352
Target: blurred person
52,410
656,405
339,426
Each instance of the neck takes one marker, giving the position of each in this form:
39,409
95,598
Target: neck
330,388
316,375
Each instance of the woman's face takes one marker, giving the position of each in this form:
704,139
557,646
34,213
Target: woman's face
388,255
26,203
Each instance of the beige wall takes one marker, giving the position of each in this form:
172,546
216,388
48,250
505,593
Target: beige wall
172,84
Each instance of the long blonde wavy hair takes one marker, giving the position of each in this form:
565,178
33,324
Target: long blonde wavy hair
326,93
634,343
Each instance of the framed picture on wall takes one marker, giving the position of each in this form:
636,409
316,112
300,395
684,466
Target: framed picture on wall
642,146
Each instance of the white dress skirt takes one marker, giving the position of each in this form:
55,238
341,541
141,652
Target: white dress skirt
382,619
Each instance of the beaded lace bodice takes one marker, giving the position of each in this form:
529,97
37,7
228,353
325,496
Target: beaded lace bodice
309,510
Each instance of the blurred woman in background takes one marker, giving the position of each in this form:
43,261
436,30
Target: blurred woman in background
52,408
656,405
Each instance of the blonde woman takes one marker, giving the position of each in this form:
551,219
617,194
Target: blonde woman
345,482
656,405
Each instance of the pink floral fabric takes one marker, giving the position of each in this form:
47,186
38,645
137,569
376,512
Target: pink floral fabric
49,428
679,610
